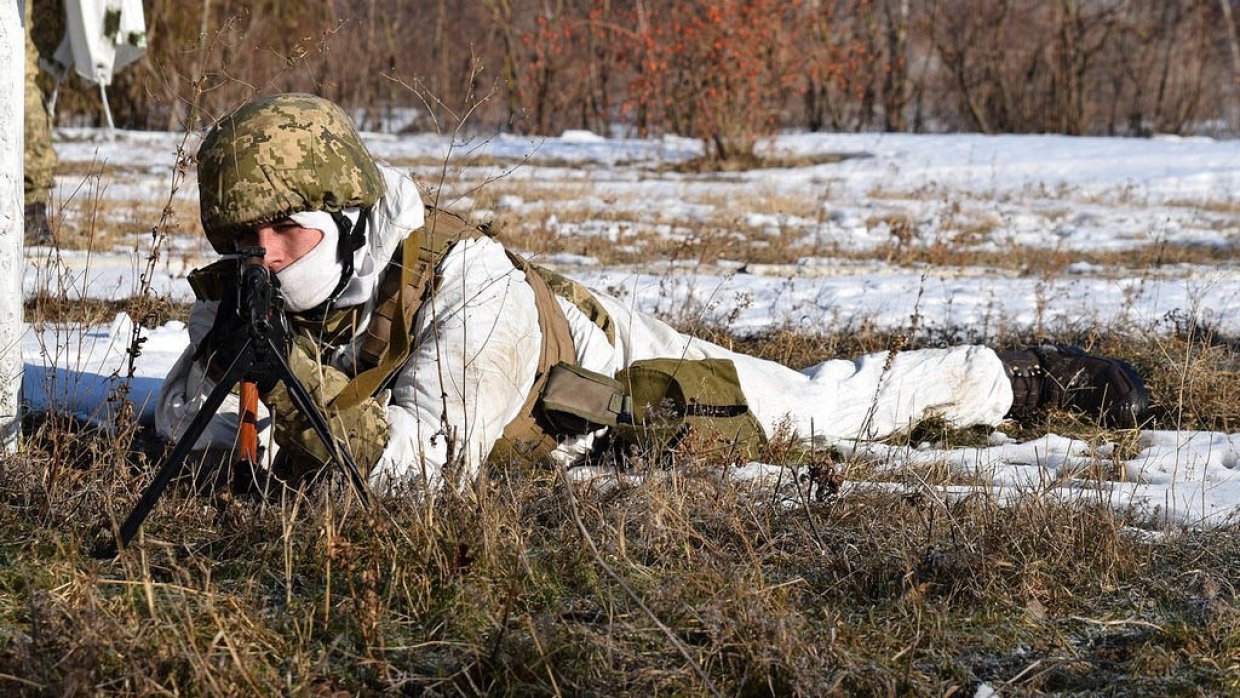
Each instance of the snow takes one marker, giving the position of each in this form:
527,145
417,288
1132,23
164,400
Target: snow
987,193
580,136
995,165
821,298
75,370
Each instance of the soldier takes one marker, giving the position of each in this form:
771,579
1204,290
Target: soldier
435,350
40,158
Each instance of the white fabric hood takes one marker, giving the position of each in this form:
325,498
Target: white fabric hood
398,213
101,37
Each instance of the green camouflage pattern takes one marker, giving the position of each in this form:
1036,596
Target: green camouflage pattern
278,155
40,158
362,427
576,293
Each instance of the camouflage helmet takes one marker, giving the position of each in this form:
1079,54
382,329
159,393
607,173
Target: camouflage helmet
279,155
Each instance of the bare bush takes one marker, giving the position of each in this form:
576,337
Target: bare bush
729,72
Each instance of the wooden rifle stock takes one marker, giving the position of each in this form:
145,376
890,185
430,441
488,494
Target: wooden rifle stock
247,433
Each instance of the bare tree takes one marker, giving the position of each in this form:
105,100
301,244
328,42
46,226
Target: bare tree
895,84
1070,66
1233,45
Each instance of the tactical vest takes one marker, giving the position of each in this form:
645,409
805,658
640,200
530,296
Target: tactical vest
650,407
408,281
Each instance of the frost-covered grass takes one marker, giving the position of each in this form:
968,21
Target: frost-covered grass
1050,555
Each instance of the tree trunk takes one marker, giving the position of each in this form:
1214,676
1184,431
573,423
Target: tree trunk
1171,21
874,49
441,52
501,21
1069,100
643,109
12,222
197,69
1233,43
895,89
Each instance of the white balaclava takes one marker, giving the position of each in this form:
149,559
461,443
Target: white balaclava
310,280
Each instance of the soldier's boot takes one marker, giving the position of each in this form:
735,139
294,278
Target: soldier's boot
1066,377
37,230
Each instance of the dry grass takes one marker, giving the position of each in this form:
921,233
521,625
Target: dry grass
748,162
627,226
1039,261
90,215
46,308
1210,204
102,224
495,590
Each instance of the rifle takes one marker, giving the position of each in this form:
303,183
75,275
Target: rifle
259,305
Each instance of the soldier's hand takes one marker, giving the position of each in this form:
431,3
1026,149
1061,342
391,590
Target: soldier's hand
363,428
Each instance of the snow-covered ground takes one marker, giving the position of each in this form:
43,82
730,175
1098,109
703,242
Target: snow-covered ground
854,195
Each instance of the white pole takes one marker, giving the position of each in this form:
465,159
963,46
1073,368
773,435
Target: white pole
12,220
107,109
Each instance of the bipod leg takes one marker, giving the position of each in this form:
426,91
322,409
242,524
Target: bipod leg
318,422
172,467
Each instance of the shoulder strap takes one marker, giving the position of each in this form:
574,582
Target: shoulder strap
410,278
528,437
367,383
577,294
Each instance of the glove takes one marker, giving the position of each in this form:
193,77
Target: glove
362,428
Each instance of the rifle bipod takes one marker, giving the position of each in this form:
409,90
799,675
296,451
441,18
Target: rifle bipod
234,375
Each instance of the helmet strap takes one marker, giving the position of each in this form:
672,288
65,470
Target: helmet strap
350,240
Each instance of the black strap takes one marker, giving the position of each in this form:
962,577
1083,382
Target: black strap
350,240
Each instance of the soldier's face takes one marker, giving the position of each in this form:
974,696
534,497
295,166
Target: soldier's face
285,242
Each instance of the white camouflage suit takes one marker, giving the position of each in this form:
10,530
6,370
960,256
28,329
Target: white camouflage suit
475,352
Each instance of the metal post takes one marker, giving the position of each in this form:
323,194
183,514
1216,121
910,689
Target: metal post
12,220
107,108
